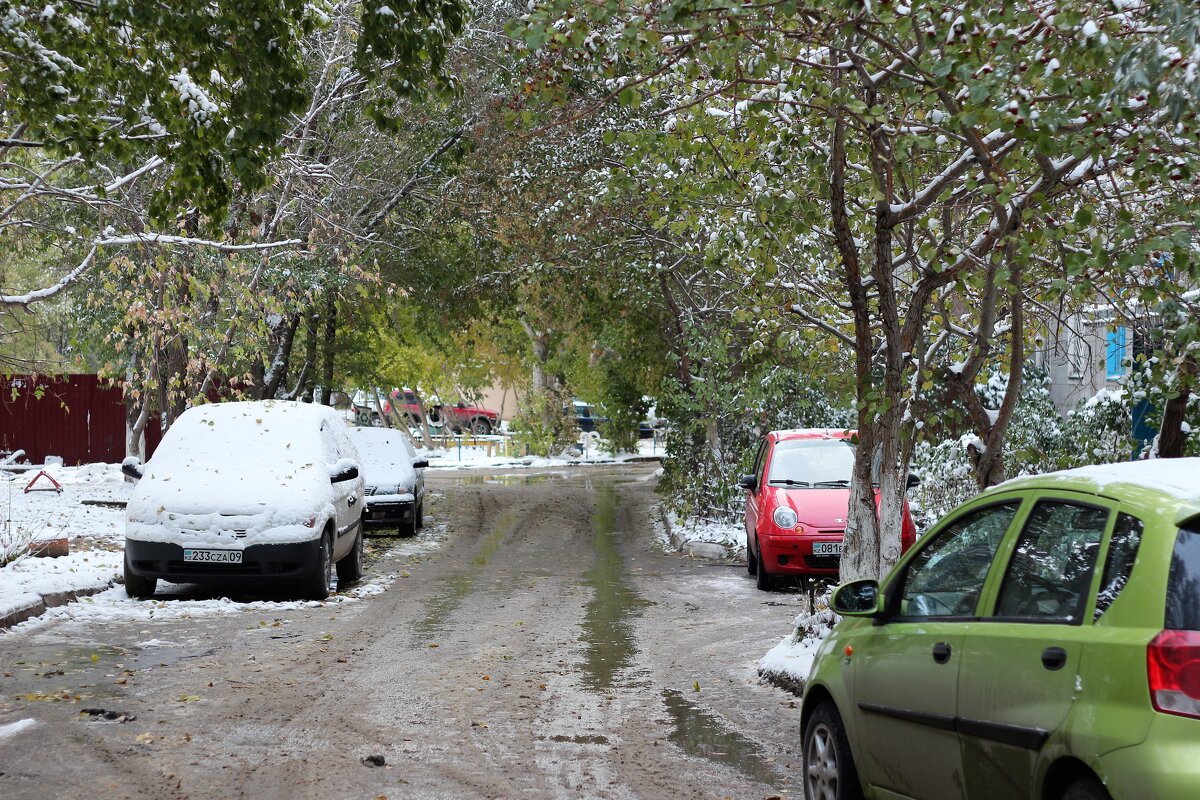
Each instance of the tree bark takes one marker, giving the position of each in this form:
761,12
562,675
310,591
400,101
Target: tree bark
276,373
328,348
310,352
860,556
1171,438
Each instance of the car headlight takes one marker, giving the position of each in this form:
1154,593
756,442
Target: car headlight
786,518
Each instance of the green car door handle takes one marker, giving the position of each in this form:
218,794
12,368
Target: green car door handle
941,652
1054,658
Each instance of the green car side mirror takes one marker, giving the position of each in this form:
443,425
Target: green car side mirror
857,599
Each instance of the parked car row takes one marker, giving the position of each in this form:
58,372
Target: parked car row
587,420
266,493
458,418
465,418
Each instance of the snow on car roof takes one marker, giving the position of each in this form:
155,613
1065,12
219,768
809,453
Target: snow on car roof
812,433
244,428
1178,478
385,456
381,444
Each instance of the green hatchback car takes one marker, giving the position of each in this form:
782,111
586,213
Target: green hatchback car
1041,641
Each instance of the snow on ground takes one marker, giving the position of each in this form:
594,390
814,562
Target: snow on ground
176,602
96,535
48,514
90,514
588,451
95,532
15,728
730,535
789,662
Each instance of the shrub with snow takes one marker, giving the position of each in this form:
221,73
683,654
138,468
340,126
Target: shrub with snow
1097,431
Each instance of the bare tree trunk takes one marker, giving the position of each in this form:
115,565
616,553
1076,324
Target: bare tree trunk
387,418
860,556
543,386
991,425
276,374
310,352
326,392
136,416
540,342
1171,439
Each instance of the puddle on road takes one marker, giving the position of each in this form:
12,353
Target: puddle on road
607,633
55,661
508,479
160,656
459,586
581,739
700,733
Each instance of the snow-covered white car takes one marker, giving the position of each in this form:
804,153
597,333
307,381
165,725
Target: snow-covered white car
395,479
247,493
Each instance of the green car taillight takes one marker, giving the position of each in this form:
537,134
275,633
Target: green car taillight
1173,669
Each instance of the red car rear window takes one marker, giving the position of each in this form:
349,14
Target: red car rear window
1183,585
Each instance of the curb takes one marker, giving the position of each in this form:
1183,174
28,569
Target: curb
710,551
782,680
40,604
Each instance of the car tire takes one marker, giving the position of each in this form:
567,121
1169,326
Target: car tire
350,568
409,528
829,772
481,427
763,579
751,559
316,586
1086,789
137,586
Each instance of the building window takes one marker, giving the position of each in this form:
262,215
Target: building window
1115,353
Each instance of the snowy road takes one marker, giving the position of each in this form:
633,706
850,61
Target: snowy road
534,642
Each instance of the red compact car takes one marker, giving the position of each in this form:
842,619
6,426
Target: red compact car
797,503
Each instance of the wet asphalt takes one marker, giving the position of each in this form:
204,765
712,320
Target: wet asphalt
535,641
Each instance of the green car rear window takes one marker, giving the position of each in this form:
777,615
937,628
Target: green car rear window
1122,550
1183,585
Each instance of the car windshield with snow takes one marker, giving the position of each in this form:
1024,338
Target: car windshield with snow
251,494
394,479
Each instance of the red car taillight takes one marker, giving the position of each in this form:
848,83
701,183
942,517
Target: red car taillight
1173,668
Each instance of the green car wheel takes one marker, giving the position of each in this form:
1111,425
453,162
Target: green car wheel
829,772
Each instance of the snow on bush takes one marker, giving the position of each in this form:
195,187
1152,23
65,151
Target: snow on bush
1039,440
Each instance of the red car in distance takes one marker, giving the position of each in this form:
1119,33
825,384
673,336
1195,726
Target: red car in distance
460,418
797,502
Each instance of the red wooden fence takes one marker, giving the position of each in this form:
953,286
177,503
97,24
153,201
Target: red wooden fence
77,417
